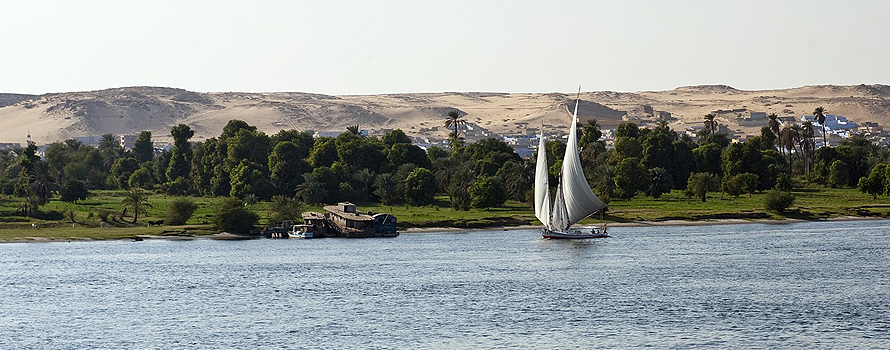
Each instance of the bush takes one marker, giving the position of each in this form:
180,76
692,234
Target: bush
487,192
73,191
232,216
178,187
778,200
180,211
783,182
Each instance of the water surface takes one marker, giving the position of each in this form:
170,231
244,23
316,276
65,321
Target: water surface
822,285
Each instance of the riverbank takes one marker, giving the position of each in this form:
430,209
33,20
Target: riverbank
671,209
192,233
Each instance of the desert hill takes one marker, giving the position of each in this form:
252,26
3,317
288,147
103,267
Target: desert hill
57,116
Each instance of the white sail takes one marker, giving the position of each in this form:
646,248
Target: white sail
542,187
579,198
559,220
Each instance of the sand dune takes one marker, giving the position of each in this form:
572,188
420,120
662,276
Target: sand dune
53,117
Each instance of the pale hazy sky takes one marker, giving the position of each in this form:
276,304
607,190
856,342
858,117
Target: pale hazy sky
365,47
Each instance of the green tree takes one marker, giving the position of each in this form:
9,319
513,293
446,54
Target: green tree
518,179
783,183
285,208
311,190
873,184
454,120
364,178
121,171
402,153
661,182
627,129
42,184
74,190
631,177
819,115
141,178
394,137
143,149
181,156
459,187
708,158
286,168
487,192
232,215
420,187
248,179
137,200
324,152
385,187
699,184
249,145
710,126
839,174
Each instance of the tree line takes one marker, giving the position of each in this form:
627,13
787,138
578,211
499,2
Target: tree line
247,164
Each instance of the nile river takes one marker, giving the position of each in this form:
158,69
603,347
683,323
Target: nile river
807,285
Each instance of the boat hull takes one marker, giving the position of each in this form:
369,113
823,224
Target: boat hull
574,234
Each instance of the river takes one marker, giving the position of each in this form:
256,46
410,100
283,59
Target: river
805,285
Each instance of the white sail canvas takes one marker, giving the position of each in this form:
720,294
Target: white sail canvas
580,201
542,187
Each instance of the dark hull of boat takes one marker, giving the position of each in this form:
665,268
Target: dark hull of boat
573,235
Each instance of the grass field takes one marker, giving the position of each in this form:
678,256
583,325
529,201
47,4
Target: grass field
811,203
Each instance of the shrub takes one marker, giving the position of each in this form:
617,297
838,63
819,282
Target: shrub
839,174
783,182
776,200
180,211
487,192
73,191
232,216
178,187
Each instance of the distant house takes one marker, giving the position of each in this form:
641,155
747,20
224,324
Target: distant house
128,140
833,123
89,140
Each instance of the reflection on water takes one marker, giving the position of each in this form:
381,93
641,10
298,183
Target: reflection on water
804,285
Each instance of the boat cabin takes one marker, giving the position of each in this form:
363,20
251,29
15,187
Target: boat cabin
349,222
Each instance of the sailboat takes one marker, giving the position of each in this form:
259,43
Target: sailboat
574,200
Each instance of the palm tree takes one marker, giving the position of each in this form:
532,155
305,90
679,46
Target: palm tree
455,120
311,190
42,183
353,129
710,123
819,115
136,199
789,138
365,178
774,126
807,143
605,185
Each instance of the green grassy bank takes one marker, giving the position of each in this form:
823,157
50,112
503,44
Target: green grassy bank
53,221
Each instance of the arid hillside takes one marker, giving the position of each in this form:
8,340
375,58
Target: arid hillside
58,116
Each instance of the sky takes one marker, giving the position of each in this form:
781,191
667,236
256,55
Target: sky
371,47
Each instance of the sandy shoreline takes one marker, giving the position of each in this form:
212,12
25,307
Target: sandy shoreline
229,236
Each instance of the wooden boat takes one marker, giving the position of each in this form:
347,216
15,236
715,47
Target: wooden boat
346,221
574,199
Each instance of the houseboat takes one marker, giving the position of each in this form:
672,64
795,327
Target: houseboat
345,221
